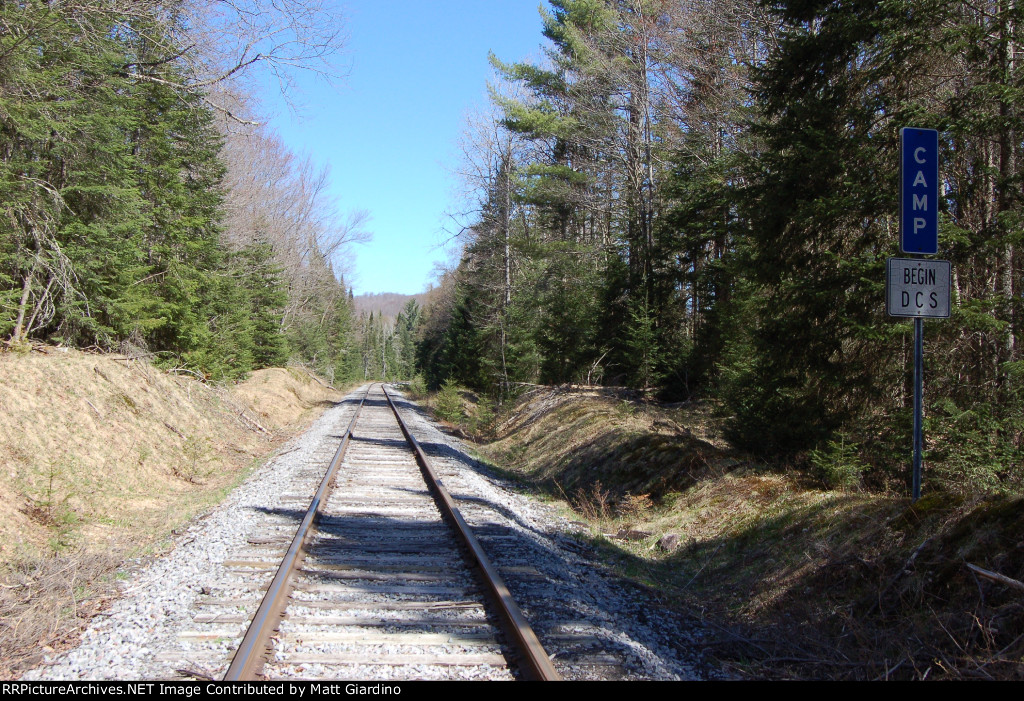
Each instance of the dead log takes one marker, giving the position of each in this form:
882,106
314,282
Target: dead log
996,577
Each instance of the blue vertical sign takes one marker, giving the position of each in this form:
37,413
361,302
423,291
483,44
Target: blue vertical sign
919,190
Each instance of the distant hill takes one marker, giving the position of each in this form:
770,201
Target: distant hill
387,303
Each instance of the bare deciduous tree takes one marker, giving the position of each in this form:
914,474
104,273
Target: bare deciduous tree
273,197
218,41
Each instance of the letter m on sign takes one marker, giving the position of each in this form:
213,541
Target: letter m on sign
919,190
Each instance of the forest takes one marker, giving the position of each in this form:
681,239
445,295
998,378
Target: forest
698,199
148,209
691,198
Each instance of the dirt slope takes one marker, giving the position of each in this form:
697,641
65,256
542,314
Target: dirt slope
102,458
94,448
804,582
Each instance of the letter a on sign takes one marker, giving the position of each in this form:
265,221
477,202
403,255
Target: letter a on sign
919,190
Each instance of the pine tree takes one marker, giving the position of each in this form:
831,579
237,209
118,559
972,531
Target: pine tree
266,298
816,245
67,177
405,340
816,352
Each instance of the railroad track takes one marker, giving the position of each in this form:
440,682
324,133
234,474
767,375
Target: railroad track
383,578
383,590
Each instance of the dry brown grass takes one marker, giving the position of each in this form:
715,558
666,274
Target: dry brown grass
100,457
44,602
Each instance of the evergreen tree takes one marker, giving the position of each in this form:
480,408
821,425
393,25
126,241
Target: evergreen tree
817,245
267,296
67,179
111,179
405,340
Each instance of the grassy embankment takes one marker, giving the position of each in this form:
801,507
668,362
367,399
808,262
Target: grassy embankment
104,459
799,581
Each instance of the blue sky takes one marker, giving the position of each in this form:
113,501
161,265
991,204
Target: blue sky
389,130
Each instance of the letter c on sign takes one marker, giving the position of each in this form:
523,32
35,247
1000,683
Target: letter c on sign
917,154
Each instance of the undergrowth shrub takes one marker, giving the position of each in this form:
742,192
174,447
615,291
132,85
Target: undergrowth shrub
975,449
634,506
594,504
839,464
49,501
481,421
448,403
417,387
195,453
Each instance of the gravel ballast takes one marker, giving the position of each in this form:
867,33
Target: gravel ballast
151,632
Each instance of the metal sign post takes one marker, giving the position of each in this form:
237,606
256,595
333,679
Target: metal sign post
918,289
915,287
915,492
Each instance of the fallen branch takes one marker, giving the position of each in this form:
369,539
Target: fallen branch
195,674
174,429
707,561
252,422
888,672
317,379
178,371
225,397
735,637
139,356
902,571
995,576
285,452
823,661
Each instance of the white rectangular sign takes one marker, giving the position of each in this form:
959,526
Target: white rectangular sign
915,287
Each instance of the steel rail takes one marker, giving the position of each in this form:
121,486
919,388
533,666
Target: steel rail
537,664
255,646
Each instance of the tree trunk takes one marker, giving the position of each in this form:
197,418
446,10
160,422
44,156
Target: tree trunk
26,289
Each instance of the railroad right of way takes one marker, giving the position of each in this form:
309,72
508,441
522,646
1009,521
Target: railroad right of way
183,616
